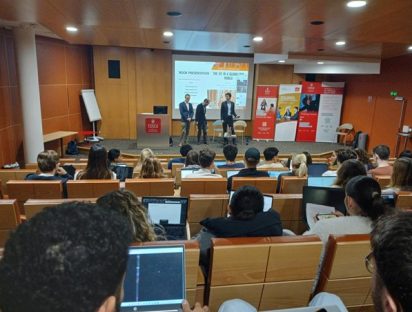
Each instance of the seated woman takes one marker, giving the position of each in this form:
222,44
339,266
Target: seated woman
128,205
144,153
348,170
363,157
401,178
299,169
151,168
97,165
192,160
364,205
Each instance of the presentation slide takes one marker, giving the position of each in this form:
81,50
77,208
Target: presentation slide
211,77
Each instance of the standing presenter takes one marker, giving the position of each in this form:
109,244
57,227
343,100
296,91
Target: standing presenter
186,116
201,121
227,113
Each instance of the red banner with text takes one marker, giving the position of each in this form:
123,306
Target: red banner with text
308,111
265,112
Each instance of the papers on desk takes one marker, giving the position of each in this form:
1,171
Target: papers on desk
312,210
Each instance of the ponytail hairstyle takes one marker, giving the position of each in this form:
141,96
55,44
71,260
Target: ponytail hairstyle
299,167
366,192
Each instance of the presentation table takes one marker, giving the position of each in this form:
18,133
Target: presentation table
153,130
58,135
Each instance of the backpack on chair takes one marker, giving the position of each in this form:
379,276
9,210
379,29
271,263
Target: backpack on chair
72,148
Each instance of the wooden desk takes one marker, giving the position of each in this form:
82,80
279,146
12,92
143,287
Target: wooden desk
58,135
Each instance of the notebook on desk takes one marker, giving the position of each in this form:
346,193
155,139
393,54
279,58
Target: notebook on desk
170,213
155,279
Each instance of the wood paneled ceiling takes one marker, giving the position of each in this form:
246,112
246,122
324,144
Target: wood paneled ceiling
381,29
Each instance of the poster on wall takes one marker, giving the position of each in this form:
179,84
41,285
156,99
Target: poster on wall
330,106
265,111
308,111
287,112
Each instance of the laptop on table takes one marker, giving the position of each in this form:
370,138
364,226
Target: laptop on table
155,279
187,171
170,213
321,181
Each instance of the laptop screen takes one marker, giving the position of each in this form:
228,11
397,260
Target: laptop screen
321,181
275,174
220,163
155,277
166,210
267,201
188,171
230,173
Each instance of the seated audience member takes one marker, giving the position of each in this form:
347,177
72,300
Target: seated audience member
348,170
130,207
271,159
401,178
49,167
308,158
364,205
381,157
151,168
207,165
246,219
363,157
97,165
230,153
299,169
144,153
192,160
341,156
405,154
114,157
180,160
252,158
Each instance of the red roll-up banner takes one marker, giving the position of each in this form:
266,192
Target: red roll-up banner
265,112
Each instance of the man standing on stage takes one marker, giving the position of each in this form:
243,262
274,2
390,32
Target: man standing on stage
186,115
227,112
201,121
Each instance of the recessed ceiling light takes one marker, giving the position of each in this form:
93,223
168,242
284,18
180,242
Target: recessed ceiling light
246,46
317,22
410,48
321,63
340,43
168,34
257,39
321,49
71,29
166,42
281,61
356,4
174,13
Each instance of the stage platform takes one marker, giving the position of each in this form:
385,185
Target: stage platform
130,147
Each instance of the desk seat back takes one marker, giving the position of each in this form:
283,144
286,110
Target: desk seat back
13,174
264,184
289,207
404,200
151,187
91,188
203,186
383,180
292,184
176,166
9,218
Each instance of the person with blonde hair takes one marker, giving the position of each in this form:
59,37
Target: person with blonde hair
144,153
299,169
151,168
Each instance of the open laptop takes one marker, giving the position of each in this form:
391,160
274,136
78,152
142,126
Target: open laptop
321,181
267,201
275,174
170,213
155,279
230,173
220,163
187,171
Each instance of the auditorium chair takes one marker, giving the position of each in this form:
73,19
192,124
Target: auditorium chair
13,174
9,218
264,184
23,190
203,186
175,166
292,184
268,272
383,180
289,206
344,273
34,206
151,187
404,201
91,188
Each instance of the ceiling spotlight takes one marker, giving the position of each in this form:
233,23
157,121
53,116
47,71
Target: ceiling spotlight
174,13
321,63
317,22
281,61
410,48
257,39
356,4
340,43
168,34
71,29
321,49
246,46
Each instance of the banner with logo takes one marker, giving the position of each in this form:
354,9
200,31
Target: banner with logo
308,111
287,112
330,106
265,111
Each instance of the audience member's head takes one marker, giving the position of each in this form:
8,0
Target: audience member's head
151,168
230,152
308,158
47,161
405,154
146,153
192,158
344,154
70,257
97,165
402,174
246,203
271,153
332,160
362,156
299,167
348,170
114,155
381,152
206,158
129,206
184,149
252,157
363,198
391,263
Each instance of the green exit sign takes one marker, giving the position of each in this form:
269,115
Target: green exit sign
394,93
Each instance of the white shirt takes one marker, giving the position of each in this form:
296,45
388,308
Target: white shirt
187,105
203,173
330,173
228,108
269,165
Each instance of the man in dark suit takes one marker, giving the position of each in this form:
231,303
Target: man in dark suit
201,121
227,112
186,115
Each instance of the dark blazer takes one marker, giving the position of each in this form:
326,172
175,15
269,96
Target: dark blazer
184,113
200,113
224,110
